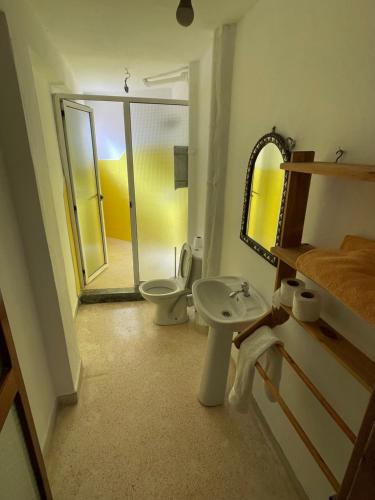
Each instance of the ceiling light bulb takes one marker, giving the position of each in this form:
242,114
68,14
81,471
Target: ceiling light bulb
185,13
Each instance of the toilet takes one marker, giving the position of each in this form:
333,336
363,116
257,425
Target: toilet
170,295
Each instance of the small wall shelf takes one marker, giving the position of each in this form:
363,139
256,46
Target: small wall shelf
349,171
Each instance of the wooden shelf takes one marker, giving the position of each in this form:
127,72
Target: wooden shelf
357,363
345,170
290,255
362,368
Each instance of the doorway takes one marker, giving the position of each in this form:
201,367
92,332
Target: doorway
126,166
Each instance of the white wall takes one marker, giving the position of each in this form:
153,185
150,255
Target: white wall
109,129
51,185
109,117
308,68
23,316
17,477
180,90
200,74
47,296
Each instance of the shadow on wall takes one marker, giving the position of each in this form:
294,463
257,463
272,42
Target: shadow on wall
162,210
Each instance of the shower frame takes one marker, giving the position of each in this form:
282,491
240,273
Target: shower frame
58,98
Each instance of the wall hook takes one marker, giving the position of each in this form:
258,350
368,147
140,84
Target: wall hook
339,154
291,143
127,76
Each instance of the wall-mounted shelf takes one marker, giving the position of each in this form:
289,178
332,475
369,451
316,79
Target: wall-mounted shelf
290,255
352,359
355,361
346,170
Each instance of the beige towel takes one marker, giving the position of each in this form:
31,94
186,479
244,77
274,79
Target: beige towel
348,273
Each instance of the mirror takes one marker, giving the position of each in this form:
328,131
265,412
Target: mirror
265,193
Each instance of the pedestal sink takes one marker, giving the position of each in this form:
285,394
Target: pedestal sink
224,315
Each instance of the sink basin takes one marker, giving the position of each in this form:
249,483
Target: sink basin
219,310
225,315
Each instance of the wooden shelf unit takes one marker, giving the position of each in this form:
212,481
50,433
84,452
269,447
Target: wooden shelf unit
356,362
352,359
345,170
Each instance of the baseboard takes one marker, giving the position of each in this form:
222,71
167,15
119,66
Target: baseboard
63,400
72,399
98,296
267,431
67,399
76,308
51,427
279,452
79,378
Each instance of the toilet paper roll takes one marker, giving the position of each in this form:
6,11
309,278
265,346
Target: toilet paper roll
306,305
288,287
276,299
197,243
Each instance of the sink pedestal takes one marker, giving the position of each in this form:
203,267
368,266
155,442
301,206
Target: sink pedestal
225,313
215,368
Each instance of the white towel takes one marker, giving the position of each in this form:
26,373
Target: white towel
251,349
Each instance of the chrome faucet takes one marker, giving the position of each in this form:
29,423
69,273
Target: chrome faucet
244,290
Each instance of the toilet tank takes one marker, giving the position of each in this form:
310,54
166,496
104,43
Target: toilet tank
196,267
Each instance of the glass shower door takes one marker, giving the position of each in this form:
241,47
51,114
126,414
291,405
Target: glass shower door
159,141
87,198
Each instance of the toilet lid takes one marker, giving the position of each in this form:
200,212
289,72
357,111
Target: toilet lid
184,268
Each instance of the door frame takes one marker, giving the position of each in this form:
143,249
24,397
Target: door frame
131,189
13,393
58,98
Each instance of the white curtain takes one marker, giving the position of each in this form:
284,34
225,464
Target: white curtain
222,72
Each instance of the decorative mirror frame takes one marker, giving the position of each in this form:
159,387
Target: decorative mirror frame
284,146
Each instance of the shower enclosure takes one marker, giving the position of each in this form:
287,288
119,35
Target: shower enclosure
156,144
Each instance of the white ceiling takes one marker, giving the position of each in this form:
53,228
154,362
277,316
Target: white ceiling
100,37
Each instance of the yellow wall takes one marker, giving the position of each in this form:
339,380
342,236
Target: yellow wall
114,185
161,210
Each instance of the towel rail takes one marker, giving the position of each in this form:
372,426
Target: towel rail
302,434
319,396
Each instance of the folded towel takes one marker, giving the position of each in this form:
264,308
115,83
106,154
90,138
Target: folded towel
353,242
251,349
348,273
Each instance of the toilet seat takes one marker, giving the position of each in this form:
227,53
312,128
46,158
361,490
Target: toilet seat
169,295
160,288
184,266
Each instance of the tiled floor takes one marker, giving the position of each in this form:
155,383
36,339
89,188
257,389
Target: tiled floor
138,430
119,273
